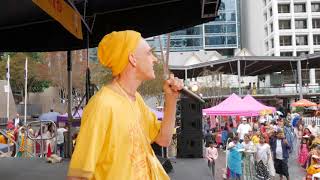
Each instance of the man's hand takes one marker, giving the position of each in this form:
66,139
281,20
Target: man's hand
172,86
285,142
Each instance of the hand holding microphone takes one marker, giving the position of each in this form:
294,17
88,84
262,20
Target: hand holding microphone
174,85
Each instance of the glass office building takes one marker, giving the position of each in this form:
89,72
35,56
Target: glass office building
223,33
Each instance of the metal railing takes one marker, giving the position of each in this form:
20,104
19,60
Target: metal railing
42,137
308,120
288,90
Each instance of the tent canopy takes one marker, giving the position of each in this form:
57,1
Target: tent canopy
64,117
235,106
232,106
25,27
248,99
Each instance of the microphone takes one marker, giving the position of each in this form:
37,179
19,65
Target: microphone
189,93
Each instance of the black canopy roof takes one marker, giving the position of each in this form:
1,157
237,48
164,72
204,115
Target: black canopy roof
25,27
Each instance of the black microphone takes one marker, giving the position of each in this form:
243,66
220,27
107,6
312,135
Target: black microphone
189,93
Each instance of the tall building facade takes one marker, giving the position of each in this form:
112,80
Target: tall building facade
290,27
222,35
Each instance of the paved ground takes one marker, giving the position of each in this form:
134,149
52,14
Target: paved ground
196,169
184,169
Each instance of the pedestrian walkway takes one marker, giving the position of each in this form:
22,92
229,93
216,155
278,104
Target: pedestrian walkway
190,169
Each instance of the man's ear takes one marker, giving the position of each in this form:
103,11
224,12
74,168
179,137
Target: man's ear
132,60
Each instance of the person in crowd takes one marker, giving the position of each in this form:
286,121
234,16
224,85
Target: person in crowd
280,151
289,135
243,128
314,165
248,161
21,142
29,146
17,120
307,132
262,157
211,155
224,136
60,140
313,128
303,152
208,137
234,159
255,138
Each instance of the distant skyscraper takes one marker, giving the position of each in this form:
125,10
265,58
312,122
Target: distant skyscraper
281,27
222,34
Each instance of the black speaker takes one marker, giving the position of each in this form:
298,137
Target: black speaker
190,138
166,164
190,145
191,115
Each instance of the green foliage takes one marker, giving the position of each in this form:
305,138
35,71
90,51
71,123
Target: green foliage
298,110
40,85
17,65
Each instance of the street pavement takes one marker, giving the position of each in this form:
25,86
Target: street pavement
197,169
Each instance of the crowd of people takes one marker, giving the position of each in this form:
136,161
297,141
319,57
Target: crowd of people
39,143
260,147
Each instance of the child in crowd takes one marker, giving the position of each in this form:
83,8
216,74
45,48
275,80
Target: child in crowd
303,152
211,156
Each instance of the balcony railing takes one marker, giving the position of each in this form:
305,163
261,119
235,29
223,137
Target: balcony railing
284,91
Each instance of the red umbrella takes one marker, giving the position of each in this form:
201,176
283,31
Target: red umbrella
303,103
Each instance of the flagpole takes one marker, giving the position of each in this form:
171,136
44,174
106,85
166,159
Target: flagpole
25,91
8,86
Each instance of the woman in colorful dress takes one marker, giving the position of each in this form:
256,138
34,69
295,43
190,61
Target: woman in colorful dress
303,152
263,156
234,170
315,163
248,162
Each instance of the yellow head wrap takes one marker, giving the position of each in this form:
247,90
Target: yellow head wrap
114,49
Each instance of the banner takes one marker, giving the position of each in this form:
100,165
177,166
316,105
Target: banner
64,14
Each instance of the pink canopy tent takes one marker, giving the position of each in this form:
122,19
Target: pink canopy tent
232,106
257,106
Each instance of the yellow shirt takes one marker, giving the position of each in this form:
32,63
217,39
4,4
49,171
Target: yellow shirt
255,139
114,140
2,140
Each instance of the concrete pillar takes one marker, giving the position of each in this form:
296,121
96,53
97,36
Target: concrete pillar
312,76
299,79
239,76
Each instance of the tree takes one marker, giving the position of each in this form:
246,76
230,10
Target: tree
37,81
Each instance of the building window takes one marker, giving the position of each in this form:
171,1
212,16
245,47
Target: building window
316,39
301,24
266,31
265,2
315,7
315,23
271,27
265,17
270,12
231,40
285,53
302,40
283,8
272,43
299,8
266,46
300,53
285,41
216,40
284,24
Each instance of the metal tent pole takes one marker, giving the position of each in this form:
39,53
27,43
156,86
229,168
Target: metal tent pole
69,137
